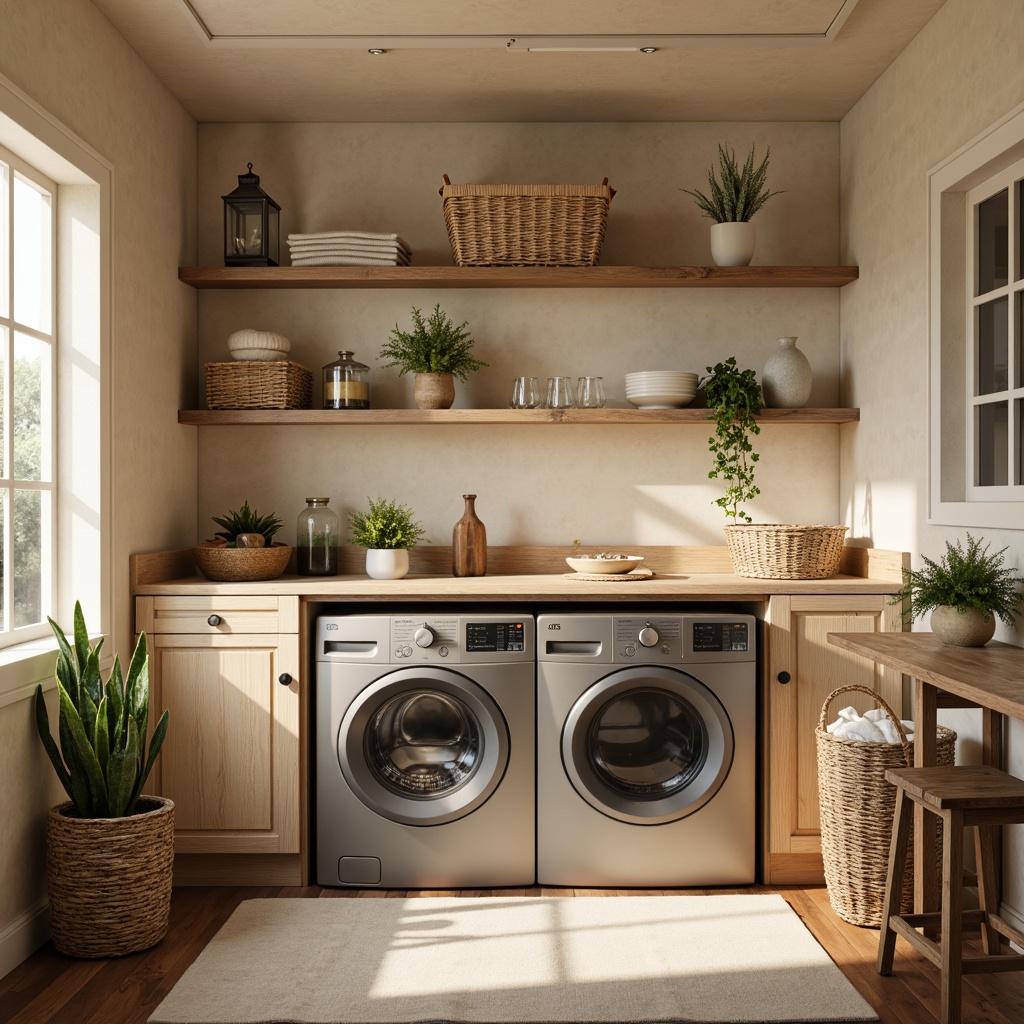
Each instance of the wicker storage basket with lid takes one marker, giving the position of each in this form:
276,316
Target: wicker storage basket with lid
856,805
526,225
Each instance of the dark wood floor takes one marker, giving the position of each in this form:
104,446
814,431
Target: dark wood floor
49,987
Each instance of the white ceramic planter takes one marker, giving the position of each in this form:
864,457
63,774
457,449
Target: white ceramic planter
732,243
787,377
387,563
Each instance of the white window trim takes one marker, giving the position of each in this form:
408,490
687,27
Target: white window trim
998,147
38,138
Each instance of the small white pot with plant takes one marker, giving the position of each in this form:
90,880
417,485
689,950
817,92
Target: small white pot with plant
387,531
965,591
437,351
735,195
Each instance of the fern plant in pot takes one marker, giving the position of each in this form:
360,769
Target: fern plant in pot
109,848
764,551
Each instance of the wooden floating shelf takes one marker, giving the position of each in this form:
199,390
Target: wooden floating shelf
517,277
399,417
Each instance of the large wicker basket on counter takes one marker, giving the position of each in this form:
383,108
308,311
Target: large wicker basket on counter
526,225
785,552
258,384
857,805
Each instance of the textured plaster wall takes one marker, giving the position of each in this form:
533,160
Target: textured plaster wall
605,485
959,75
69,60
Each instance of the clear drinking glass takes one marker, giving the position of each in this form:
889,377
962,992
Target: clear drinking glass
559,393
525,393
590,393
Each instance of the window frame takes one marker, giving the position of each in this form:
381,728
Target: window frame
953,500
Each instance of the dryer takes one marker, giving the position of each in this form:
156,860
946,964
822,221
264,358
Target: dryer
646,749
425,750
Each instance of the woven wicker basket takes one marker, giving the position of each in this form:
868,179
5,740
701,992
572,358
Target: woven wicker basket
109,879
526,225
240,565
785,552
857,806
255,384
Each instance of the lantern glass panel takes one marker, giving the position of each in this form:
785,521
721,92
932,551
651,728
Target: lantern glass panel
244,229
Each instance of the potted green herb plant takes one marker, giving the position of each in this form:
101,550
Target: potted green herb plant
387,531
109,850
437,351
243,549
734,196
783,551
965,591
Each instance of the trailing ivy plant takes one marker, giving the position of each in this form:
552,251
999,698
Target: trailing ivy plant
386,526
435,345
735,398
738,192
963,578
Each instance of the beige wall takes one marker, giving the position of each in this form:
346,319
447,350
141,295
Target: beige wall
604,485
960,74
70,62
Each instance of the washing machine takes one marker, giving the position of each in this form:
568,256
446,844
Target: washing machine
646,749
425,750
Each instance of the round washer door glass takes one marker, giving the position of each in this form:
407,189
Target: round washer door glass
647,745
423,746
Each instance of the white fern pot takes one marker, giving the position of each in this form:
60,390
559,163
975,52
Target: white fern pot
732,243
387,563
787,377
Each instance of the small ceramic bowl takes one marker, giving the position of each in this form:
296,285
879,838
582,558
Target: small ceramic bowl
605,566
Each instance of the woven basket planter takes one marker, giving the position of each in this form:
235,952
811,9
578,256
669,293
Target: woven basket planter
526,225
785,552
857,806
240,565
109,879
256,384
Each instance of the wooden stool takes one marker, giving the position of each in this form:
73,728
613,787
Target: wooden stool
964,795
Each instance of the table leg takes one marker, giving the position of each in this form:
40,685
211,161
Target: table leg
926,889
992,754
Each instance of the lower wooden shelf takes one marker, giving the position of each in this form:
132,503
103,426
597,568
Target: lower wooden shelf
399,417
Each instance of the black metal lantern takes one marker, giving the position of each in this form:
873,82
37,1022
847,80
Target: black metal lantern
252,232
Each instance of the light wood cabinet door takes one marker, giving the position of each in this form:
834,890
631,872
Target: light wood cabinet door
802,668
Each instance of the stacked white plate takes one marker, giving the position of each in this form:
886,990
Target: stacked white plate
660,389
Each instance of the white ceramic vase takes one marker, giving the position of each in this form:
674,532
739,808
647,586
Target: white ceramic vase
387,563
787,377
732,243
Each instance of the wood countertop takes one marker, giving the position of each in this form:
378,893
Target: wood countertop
530,573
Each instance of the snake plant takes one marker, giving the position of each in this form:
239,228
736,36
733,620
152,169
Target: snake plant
103,760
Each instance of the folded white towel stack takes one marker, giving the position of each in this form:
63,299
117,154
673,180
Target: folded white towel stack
348,249
874,726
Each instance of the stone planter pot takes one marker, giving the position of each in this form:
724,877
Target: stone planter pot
109,879
434,390
962,629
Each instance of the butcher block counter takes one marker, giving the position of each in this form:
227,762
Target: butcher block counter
234,665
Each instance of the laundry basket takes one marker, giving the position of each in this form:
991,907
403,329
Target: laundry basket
857,806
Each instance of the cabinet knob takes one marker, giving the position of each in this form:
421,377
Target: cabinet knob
284,679
214,620
783,677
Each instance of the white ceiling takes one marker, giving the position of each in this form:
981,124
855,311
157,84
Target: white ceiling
307,60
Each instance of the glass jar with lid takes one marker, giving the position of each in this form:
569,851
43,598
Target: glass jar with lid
346,383
316,539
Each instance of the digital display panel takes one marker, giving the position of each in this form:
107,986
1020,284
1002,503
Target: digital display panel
495,636
721,636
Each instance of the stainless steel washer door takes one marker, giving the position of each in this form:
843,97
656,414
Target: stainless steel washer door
423,746
647,745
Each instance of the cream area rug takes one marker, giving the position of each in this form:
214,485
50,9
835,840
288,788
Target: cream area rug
513,960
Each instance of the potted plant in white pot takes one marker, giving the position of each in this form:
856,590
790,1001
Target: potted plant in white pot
735,195
764,551
109,849
965,591
387,531
436,351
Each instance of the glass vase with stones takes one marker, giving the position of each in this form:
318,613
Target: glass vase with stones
346,383
316,539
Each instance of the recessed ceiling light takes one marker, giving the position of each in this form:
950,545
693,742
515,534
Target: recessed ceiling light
648,49
376,50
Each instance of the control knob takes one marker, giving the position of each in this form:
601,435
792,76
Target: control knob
648,636
424,636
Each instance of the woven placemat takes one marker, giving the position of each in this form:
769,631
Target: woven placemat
611,577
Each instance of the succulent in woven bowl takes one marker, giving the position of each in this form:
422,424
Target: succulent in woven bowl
232,555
